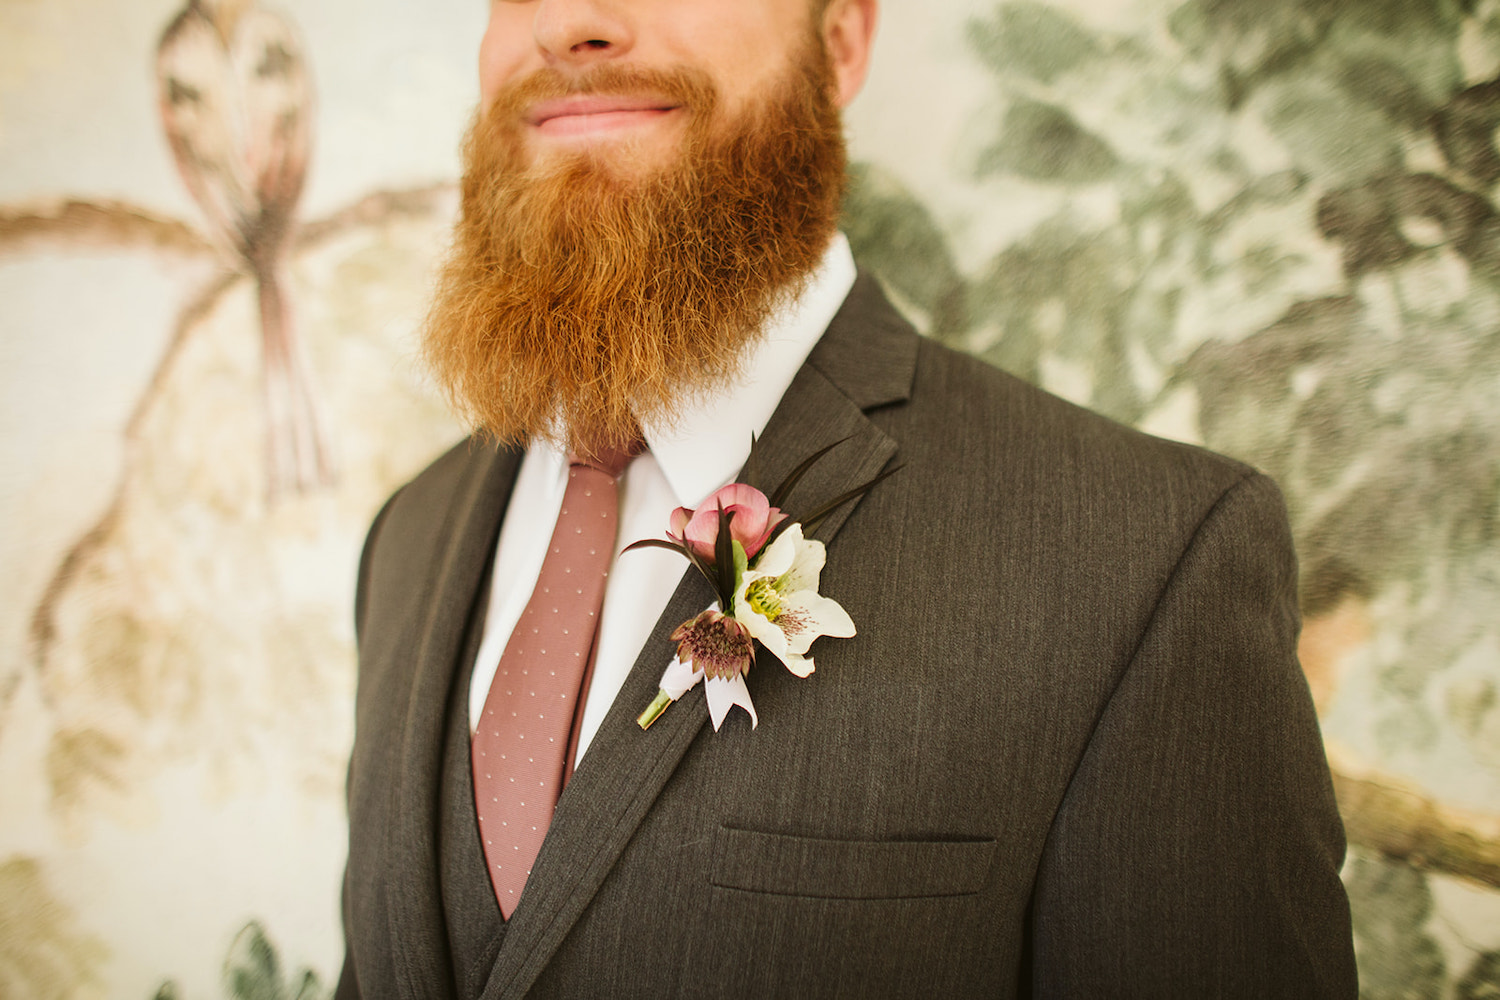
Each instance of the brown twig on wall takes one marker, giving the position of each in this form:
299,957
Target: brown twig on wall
106,223
375,209
1383,814
118,230
78,223
43,619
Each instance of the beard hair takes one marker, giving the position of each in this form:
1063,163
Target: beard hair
579,303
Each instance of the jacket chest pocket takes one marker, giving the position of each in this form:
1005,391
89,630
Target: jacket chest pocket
782,865
864,920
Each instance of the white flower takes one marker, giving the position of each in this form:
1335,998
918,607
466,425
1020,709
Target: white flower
778,602
723,693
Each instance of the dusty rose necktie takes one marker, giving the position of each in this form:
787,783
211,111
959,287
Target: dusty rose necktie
522,746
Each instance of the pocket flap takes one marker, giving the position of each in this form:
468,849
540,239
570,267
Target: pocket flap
849,869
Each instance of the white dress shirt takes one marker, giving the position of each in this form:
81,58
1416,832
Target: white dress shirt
684,465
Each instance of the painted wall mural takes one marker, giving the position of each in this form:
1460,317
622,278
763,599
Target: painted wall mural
236,104
1268,226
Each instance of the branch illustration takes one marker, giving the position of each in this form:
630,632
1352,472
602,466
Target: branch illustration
43,623
115,224
1385,814
85,223
82,223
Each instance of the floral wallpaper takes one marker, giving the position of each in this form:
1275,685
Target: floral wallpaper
1267,226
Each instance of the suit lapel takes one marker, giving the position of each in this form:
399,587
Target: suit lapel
866,359
450,587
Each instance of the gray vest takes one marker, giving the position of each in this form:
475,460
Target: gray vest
475,925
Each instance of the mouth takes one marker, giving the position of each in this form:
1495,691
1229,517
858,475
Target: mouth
593,114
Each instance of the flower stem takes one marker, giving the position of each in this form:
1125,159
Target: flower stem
654,710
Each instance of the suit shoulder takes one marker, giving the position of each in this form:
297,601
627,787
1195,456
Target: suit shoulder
988,410
413,518
444,474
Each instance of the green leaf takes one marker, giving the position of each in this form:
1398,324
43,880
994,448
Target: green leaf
252,970
700,564
1332,137
1031,38
1482,981
311,988
1391,904
895,236
1043,142
741,563
752,465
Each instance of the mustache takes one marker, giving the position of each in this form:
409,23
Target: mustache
689,88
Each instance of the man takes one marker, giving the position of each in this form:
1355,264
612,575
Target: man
1069,751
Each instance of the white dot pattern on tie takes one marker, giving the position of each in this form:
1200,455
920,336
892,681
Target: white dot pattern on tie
559,633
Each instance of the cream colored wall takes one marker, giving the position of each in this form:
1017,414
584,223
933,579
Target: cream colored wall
171,764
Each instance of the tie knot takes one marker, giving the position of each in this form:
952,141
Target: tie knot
611,461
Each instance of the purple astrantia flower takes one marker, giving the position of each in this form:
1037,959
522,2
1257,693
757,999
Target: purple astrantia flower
765,575
715,644
717,650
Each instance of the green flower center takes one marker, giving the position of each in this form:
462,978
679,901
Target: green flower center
764,599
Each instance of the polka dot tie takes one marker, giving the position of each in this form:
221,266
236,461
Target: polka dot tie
522,746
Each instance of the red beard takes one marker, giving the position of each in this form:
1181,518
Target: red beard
579,305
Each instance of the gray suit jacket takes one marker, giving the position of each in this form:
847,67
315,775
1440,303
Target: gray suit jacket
1070,752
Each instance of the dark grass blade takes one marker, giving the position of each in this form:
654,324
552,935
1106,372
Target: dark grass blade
699,563
724,560
658,543
752,465
816,517
787,484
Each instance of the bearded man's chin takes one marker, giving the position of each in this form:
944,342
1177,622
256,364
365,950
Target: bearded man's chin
580,304
632,158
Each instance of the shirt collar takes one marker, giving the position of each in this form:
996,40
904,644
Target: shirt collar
710,441
708,445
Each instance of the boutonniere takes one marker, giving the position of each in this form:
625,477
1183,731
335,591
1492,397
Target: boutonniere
765,572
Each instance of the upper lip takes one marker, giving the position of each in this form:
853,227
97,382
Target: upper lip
594,104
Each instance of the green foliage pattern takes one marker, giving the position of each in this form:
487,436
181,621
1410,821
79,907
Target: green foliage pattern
1302,248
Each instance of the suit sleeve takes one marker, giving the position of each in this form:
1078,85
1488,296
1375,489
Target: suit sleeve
348,984
1197,849
366,556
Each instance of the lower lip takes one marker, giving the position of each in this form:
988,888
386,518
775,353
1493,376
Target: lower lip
601,123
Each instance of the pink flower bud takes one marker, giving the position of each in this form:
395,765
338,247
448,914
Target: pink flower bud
754,520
